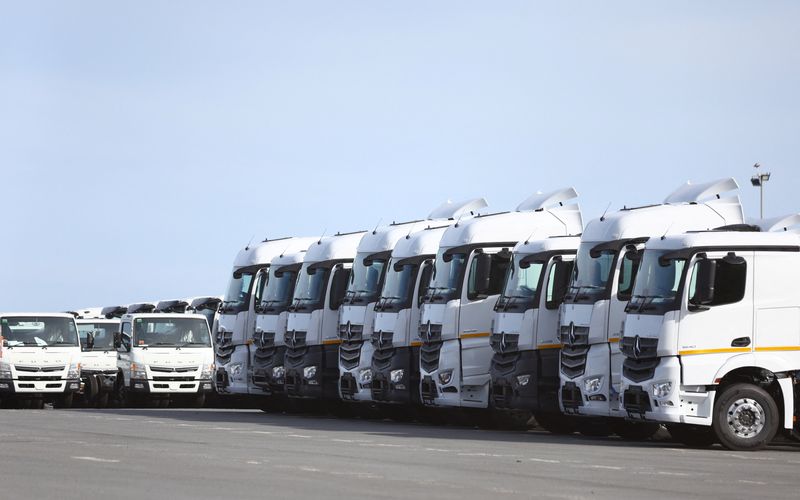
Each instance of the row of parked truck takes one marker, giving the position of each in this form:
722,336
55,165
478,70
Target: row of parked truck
678,313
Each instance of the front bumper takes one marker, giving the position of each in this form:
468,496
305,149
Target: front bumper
324,384
432,391
350,386
574,398
540,393
406,391
15,386
170,387
262,371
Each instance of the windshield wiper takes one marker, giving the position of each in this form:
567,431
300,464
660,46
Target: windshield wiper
184,344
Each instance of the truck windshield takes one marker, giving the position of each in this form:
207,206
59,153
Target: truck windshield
103,334
656,284
171,332
310,290
365,280
521,285
40,331
279,291
237,297
447,276
399,285
591,275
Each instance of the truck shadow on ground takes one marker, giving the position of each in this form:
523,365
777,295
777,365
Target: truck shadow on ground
293,422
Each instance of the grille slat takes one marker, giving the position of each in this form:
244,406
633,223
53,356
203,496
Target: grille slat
429,356
641,357
224,347
350,354
575,347
504,342
351,331
295,338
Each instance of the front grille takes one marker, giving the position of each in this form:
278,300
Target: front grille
504,363
641,358
295,338
575,347
504,342
430,332
351,331
39,378
382,340
429,356
265,347
224,346
25,368
172,379
350,354
169,369
294,356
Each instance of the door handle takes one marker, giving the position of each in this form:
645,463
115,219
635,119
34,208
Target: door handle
741,342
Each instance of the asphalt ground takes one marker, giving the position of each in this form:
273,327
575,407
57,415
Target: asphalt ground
235,454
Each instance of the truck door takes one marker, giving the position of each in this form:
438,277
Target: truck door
716,314
124,351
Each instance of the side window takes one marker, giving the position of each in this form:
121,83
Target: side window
487,274
341,277
424,280
727,279
261,284
627,275
126,335
558,283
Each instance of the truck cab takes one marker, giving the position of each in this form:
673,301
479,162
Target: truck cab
593,313
712,336
99,357
163,357
40,359
236,319
312,340
357,313
469,271
525,339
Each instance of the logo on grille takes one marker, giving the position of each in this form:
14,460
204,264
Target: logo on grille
381,340
428,330
293,339
348,331
572,337
502,341
637,348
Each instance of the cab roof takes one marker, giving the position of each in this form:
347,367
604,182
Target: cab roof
726,239
37,315
262,253
554,243
425,242
337,247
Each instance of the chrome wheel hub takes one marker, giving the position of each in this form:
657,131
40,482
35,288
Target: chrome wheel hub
746,417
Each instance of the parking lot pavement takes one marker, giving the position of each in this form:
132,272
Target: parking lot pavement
216,453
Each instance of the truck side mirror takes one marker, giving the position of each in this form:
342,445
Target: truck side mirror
90,340
483,267
117,340
704,284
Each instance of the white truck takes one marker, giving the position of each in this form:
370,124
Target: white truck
237,315
593,312
39,359
525,338
712,336
311,363
99,357
469,271
163,357
357,313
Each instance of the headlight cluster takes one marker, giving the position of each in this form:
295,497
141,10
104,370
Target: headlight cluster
396,376
207,371
74,370
593,385
310,373
138,371
365,376
445,377
661,389
278,372
5,370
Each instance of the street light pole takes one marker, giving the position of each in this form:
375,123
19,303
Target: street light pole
758,181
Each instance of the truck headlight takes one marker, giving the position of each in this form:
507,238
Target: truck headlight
523,380
138,371
592,385
74,370
278,372
365,376
396,376
445,377
309,372
5,370
207,371
661,389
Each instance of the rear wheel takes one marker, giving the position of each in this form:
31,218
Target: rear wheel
556,423
693,436
635,431
102,400
745,418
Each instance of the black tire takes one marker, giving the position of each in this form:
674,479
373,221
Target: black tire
199,400
64,400
556,423
635,431
163,403
102,400
594,428
512,420
37,404
398,413
693,436
745,417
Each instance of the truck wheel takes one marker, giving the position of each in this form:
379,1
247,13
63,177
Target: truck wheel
513,420
745,418
37,404
635,431
199,400
64,401
594,428
163,403
102,400
693,436
556,423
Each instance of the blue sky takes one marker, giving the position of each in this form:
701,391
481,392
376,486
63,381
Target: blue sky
142,144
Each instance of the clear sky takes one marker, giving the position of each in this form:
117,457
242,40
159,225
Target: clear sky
143,143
